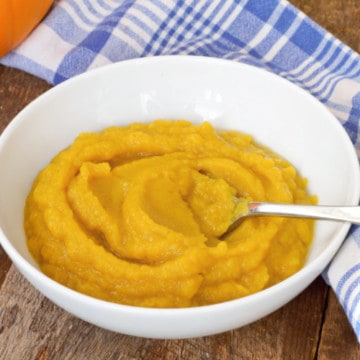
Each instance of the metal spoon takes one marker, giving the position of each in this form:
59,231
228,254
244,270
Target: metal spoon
335,213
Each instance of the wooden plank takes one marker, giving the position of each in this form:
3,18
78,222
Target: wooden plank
5,264
34,328
17,89
338,340
340,17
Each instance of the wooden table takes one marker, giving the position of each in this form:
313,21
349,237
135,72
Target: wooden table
313,326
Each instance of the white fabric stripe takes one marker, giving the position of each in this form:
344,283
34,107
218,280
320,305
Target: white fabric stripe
88,14
327,74
91,18
56,47
104,11
143,17
344,91
344,260
137,30
335,78
134,27
356,313
152,7
284,39
99,60
347,287
311,78
126,38
219,16
264,31
76,18
109,3
352,298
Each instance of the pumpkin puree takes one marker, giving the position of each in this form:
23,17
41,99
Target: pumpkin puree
133,215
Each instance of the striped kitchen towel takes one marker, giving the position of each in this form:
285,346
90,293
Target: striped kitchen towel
78,35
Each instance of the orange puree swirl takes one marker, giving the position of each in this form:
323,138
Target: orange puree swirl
134,214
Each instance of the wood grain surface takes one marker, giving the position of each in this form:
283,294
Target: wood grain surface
312,326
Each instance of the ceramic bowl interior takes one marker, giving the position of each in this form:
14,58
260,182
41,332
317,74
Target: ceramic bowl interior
229,95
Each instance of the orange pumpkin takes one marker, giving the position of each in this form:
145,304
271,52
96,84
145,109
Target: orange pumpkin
17,19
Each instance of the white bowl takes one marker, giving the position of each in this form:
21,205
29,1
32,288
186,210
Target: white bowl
229,95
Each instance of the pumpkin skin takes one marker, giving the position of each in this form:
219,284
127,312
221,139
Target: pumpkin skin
17,19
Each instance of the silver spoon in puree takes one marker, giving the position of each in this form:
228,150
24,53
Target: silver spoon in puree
334,213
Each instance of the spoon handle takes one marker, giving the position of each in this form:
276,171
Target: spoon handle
335,213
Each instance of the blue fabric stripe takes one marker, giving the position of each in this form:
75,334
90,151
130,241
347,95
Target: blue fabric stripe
346,277
355,231
148,48
262,9
285,20
355,301
315,59
90,6
328,85
145,10
75,5
198,37
352,124
82,56
332,83
103,4
307,38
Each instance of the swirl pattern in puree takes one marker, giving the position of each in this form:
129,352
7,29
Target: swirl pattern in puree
134,215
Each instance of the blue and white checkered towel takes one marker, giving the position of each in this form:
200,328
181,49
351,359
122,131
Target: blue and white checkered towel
78,35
